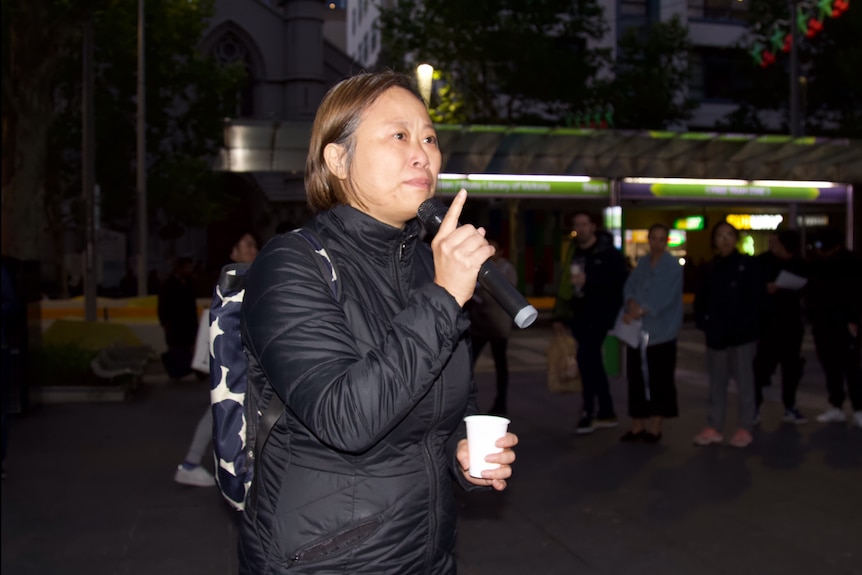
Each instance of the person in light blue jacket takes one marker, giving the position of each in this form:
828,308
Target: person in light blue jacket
653,295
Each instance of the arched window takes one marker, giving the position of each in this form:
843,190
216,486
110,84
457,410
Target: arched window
229,44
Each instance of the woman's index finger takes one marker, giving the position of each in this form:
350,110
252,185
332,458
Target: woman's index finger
450,222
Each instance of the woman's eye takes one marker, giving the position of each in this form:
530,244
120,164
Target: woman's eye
431,140
400,136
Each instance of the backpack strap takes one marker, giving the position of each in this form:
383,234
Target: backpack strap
324,262
276,406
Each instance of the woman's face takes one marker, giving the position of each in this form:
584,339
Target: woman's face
396,158
245,250
725,240
657,241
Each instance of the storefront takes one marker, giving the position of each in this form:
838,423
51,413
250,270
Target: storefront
691,208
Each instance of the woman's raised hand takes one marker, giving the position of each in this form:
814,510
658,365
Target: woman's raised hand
459,252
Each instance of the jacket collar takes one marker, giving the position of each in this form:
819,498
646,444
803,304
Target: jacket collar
369,235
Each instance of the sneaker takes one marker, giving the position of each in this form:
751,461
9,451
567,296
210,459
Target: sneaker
708,436
585,425
606,422
832,415
857,418
792,415
196,476
741,438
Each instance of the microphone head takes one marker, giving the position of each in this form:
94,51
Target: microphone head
431,213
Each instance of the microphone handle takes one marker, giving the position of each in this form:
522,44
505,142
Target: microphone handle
509,298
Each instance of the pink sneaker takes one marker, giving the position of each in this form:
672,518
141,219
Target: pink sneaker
708,436
741,438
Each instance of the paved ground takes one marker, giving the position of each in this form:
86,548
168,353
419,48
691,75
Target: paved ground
90,489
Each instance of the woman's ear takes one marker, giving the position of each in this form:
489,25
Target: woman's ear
333,154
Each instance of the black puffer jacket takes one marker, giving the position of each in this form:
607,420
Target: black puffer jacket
727,305
356,477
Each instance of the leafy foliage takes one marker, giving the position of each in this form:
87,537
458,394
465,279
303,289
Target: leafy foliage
187,97
831,92
650,75
504,61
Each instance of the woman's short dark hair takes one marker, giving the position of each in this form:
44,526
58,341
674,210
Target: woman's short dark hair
336,122
658,226
727,225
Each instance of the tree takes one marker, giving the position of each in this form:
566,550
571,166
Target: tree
36,35
651,76
506,61
188,95
831,94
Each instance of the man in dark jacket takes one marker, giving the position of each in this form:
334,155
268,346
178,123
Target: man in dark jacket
835,308
589,297
781,327
179,318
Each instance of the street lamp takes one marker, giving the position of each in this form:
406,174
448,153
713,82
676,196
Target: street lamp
424,76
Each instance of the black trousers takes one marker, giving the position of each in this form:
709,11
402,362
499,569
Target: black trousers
779,345
596,387
839,354
499,346
661,366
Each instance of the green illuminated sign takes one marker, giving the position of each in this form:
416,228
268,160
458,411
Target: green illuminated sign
693,223
676,238
595,188
728,192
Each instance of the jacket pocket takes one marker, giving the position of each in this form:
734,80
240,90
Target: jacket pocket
335,543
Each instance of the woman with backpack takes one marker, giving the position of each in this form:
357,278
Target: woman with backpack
355,476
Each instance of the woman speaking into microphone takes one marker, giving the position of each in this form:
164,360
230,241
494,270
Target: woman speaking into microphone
377,379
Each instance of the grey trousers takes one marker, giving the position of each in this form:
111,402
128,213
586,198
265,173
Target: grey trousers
201,439
736,362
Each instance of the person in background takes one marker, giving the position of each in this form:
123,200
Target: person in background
357,473
653,294
190,472
589,296
834,306
178,315
781,327
489,323
727,308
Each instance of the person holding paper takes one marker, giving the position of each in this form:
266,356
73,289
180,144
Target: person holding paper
781,326
653,297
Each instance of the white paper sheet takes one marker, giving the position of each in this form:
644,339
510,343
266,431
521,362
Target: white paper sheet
787,280
628,333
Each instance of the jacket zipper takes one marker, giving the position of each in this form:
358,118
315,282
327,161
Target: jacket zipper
429,458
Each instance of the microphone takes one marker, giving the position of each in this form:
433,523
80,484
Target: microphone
431,213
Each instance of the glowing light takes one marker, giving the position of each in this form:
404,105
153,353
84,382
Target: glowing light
682,261
424,76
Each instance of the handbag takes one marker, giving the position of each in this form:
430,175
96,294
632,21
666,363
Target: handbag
201,357
563,373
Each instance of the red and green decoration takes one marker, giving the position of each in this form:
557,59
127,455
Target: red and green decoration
809,22
599,118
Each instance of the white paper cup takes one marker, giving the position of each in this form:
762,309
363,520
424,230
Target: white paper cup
483,431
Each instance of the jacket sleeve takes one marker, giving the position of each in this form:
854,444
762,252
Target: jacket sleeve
632,286
701,297
300,335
